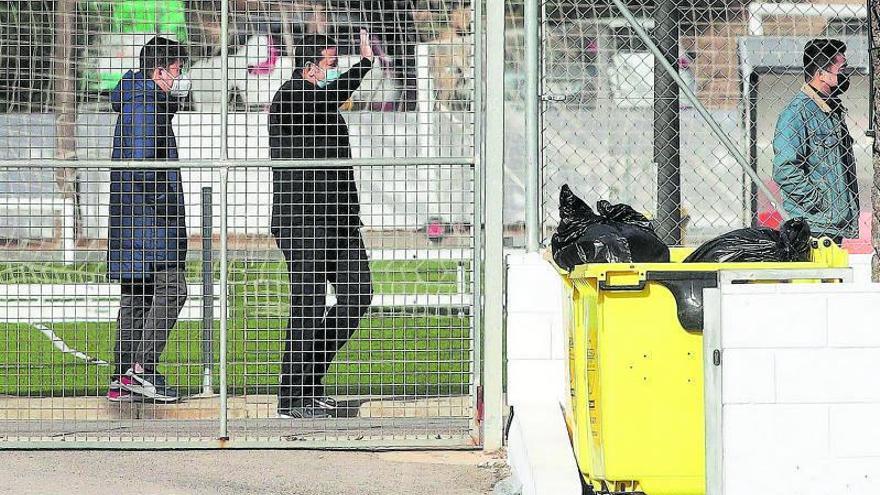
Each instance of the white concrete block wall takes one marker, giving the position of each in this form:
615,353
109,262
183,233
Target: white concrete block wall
539,450
536,352
800,389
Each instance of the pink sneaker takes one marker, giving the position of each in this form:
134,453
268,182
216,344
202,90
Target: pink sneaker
436,230
117,392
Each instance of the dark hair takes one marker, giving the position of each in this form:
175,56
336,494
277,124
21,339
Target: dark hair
161,52
819,55
309,48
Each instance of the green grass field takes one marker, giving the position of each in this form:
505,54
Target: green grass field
389,277
416,353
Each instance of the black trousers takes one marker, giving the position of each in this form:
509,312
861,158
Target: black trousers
317,255
148,311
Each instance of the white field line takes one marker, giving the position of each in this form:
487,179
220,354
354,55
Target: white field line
63,347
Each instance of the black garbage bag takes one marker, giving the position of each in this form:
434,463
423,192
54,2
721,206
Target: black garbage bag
618,234
790,243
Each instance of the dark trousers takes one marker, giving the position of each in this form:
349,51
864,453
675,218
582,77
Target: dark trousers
148,311
317,255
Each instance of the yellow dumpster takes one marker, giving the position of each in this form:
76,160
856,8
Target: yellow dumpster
636,414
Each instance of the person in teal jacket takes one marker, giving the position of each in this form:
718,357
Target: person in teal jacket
814,164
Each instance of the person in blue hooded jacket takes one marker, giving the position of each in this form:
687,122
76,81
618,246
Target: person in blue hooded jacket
814,164
148,238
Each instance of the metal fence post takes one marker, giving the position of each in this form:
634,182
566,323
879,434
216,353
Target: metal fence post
874,65
479,171
729,145
494,230
533,128
207,291
224,220
667,123
224,292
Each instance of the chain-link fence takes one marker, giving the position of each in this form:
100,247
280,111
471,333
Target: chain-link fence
250,234
615,125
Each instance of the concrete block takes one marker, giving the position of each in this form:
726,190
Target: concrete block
532,285
853,476
748,376
743,475
534,381
539,451
810,476
821,477
861,265
774,320
529,336
827,375
775,432
786,476
855,430
853,320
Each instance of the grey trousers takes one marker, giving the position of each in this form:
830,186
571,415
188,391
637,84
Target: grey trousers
148,311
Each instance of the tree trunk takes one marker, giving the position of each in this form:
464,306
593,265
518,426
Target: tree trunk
286,35
874,13
64,75
65,95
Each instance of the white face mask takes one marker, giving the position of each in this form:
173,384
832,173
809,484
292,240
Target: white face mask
181,86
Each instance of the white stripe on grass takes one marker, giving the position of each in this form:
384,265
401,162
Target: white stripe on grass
63,347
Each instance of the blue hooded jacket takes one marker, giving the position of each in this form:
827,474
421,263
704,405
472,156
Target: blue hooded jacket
147,215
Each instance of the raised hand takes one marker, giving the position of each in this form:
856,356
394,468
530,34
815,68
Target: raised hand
366,47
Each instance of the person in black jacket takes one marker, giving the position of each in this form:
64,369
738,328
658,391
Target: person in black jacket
316,222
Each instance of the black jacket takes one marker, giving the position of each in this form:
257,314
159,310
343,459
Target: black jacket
305,123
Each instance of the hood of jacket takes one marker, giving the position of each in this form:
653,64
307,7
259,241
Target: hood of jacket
136,87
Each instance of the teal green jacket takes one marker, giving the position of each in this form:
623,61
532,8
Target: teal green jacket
814,165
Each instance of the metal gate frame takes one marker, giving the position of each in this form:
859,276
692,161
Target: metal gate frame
487,258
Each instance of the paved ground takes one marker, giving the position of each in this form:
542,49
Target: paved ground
249,472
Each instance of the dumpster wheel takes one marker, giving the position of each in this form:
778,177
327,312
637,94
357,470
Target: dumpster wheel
590,490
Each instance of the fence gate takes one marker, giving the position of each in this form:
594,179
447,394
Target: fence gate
376,311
